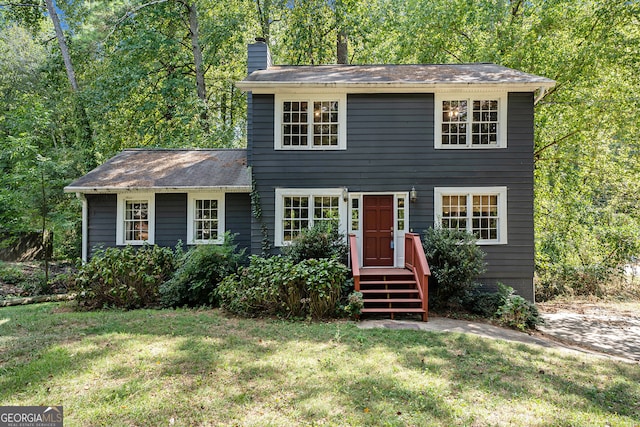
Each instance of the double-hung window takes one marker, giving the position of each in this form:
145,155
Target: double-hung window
478,210
464,121
205,213
308,123
297,209
135,219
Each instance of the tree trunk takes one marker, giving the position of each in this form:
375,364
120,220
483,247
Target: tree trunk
342,53
63,44
197,55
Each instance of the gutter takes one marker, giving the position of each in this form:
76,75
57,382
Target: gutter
115,190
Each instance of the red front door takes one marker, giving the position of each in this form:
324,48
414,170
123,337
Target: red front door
378,230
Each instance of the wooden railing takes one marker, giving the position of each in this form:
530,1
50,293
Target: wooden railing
355,262
416,261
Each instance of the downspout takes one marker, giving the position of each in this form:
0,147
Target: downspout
85,226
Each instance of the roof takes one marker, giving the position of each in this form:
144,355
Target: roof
392,76
168,170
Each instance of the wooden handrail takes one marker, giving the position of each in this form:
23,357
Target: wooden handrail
355,262
416,261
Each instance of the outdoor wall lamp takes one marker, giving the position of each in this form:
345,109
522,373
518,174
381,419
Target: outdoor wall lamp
345,194
413,195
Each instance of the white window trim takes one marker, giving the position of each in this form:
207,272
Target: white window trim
501,192
122,198
471,96
281,193
191,201
342,121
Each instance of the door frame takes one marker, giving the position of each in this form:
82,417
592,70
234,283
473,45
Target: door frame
355,220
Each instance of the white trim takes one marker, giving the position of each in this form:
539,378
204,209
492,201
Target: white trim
113,190
280,98
501,192
85,227
122,198
398,237
502,98
191,200
280,193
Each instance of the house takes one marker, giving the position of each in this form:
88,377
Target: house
389,150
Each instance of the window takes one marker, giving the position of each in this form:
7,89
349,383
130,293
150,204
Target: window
297,209
205,213
135,219
481,211
470,122
310,123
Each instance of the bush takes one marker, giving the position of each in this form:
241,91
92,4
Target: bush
518,313
124,277
506,307
201,270
11,275
486,304
279,286
455,261
323,240
590,280
355,304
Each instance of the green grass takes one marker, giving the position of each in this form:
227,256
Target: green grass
205,368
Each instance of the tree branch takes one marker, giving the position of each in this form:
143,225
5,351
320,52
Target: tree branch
536,154
129,14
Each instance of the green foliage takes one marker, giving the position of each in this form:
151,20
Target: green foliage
355,304
279,286
124,277
323,240
518,313
455,261
505,306
199,272
10,274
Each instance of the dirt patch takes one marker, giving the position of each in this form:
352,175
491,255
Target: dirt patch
27,279
593,307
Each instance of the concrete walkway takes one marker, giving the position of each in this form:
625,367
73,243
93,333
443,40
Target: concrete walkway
564,331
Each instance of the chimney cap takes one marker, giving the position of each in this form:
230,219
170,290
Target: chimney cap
261,39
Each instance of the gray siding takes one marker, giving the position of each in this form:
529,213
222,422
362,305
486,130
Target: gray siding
171,219
238,218
102,221
390,148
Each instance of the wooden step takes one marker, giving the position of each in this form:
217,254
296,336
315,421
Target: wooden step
392,310
392,300
387,282
389,291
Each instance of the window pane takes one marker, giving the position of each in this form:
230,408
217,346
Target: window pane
355,214
485,214
205,225
136,220
325,119
485,122
454,211
296,216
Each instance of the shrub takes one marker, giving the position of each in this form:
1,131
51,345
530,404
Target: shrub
323,240
455,261
486,304
201,270
11,275
518,313
124,277
279,286
355,304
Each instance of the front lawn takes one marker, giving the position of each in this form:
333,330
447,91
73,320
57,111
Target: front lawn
185,367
